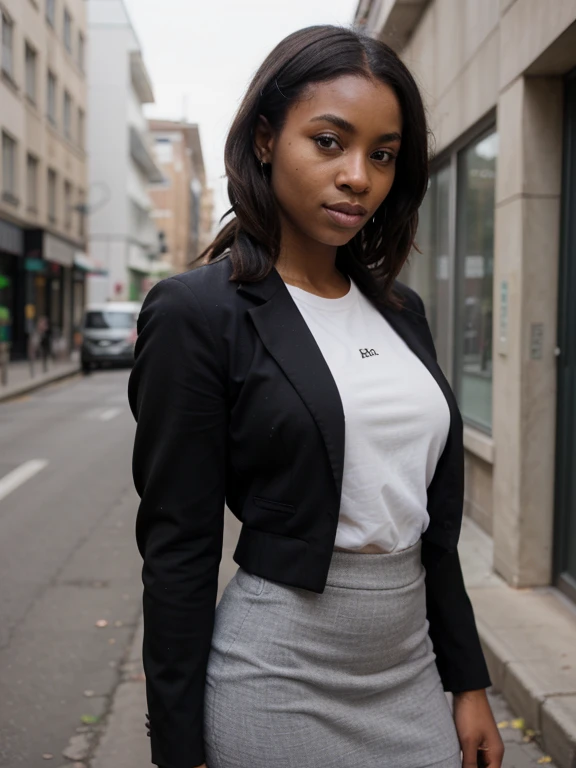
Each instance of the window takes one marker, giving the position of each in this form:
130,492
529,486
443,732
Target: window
7,46
9,170
164,150
81,127
51,12
81,51
429,271
81,214
67,30
32,183
67,115
51,98
102,320
454,272
52,196
475,269
68,205
31,66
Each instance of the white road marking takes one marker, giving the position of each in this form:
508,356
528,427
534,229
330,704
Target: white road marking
111,413
20,475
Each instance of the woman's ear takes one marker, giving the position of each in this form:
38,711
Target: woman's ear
263,140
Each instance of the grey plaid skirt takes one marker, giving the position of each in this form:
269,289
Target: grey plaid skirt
344,678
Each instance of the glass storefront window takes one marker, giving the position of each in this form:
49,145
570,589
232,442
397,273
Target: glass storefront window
429,271
475,267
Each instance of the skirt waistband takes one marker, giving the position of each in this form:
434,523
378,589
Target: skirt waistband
379,571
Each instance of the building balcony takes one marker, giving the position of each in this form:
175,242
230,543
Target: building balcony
140,78
143,157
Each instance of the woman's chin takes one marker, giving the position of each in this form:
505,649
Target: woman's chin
337,238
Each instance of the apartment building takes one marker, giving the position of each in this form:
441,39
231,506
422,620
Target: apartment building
43,170
122,234
497,273
183,202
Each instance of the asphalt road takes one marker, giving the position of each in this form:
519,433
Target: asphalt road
68,560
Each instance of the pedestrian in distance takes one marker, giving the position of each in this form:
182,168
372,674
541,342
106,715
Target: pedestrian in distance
294,378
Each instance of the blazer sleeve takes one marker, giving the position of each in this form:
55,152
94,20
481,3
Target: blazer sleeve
452,626
177,395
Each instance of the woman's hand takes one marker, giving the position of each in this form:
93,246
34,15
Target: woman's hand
478,733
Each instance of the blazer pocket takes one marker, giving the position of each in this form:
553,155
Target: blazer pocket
273,506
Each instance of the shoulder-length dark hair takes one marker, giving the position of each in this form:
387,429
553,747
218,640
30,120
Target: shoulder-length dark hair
376,254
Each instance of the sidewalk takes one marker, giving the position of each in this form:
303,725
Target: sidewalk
529,639
125,744
20,380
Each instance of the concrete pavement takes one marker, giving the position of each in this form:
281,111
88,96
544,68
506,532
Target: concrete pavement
529,638
21,381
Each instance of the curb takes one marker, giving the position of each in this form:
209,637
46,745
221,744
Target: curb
10,393
547,714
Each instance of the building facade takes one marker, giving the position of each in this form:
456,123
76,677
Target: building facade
182,202
498,265
122,233
43,171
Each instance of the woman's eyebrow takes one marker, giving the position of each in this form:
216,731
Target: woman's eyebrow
340,122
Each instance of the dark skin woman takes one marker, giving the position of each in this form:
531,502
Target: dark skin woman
327,168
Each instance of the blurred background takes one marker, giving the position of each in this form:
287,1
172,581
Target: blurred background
113,116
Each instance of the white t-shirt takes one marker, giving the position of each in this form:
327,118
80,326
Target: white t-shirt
397,421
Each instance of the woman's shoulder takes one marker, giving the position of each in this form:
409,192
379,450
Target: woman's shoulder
210,280
206,287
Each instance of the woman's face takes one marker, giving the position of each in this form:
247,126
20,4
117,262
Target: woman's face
333,163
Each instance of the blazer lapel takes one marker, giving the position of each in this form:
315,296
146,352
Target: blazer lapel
288,339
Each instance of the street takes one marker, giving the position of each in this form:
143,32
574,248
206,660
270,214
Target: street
67,561
71,682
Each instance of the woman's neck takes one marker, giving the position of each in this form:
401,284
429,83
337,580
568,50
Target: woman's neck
312,268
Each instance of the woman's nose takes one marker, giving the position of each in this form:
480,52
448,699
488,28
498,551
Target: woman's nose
354,175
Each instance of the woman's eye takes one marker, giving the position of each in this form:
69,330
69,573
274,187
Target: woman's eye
326,142
384,156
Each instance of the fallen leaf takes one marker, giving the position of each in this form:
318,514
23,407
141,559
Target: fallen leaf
89,719
88,694
101,623
503,724
543,760
47,756
518,724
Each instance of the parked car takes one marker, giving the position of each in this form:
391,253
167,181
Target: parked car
109,334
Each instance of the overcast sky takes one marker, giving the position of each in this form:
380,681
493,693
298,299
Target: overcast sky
201,55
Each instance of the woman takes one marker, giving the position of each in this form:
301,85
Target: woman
348,616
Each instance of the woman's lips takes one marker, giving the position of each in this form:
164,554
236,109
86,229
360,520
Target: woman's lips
344,219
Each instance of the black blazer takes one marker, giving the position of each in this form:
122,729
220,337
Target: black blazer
235,403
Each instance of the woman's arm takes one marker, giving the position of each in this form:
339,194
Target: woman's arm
459,656
177,395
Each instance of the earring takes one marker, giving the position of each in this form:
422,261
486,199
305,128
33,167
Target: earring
262,164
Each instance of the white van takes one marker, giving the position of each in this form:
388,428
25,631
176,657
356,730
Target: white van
109,334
